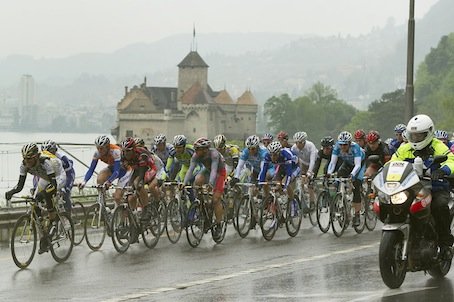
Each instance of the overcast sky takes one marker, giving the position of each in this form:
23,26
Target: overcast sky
59,28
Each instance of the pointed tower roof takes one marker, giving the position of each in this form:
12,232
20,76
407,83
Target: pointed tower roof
223,98
193,59
247,98
196,95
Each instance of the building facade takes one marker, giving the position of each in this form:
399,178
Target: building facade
192,108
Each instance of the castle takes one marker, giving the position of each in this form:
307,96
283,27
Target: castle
193,108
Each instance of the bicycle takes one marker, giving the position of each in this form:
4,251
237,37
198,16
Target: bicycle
371,217
232,196
177,208
56,236
303,188
275,210
97,221
200,217
247,211
127,225
78,215
323,205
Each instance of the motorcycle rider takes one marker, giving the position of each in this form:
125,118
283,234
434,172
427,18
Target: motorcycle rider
422,143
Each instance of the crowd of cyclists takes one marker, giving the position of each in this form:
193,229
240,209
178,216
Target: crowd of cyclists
218,164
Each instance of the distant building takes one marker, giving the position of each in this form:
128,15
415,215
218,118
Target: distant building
193,108
27,107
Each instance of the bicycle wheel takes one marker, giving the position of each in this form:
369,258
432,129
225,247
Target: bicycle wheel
195,224
371,217
294,216
243,216
95,227
362,217
62,237
339,215
322,207
121,228
162,210
219,237
151,231
268,218
23,241
174,221
312,212
78,218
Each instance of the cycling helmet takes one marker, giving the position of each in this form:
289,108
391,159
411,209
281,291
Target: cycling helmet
219,141
441,134
344,138
274,147
372,136
267,136
202,142
30,150
179,140
300,136
327,141
128,144
49,145
282,135
360,134
139,142
102,141
399,128
160,138
405,136
252,141
420,131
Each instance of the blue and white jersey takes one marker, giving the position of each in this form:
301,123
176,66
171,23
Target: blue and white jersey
286,160
68,167
394,145
354,157
255,160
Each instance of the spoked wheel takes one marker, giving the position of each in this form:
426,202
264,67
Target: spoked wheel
392,267
151,230
62,237
312,211
174,224
121,228
362,217
95,227
339,215
294,216
78,218
371,218
268,218
323,209
219,237
195,224
243,216
162,210
23,241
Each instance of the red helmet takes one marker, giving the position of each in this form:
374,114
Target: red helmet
360,134
372,136
282,135
202,142
128,144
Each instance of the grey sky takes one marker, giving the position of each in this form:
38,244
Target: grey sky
59,28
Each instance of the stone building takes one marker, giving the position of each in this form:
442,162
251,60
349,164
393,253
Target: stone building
193,108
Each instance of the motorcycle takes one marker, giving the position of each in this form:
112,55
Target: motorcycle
409,241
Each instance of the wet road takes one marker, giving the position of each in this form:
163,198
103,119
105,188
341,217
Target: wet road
310,267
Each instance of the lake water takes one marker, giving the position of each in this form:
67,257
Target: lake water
10,155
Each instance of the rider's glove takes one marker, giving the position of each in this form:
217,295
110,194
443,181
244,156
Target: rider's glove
8,195
82,185
107,184
234,181
309,174
437,174
327,175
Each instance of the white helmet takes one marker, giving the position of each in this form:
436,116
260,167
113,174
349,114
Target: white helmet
300,136
160,138
420,131
102,141
179,140
49,145
274,147
252,141
344,138
219,141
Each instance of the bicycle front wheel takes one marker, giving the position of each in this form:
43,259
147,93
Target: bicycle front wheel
195,224
174,221
362,216
339,215
294,217
23,241
322,207
95,227
312,211
268,218
243,216
152,230
62,239
223,225
371,217
121,228
78,218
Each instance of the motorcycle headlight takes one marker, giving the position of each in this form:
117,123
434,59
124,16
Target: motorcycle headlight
399,198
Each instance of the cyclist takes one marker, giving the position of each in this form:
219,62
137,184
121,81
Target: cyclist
420,131
213,173
325,153
267,138
51,146
282,137
353,166
395,143
51,177
375,147
230,152
161,148
443,136
182,152
360,138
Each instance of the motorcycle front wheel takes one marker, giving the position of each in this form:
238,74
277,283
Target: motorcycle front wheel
392,267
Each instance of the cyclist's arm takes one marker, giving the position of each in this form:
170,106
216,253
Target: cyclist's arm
239,167
357,166
188,175
19,186
332,163
214,168
115,171
91,170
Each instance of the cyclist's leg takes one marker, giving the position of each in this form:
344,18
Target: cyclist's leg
218,190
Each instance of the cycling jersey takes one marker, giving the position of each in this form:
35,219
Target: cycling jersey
382,151
111,158
394,145
255,160
183,159
320,156
142,162
163,155
213,162
307,155
68,168
354,158
286,163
